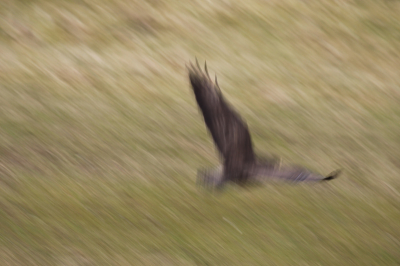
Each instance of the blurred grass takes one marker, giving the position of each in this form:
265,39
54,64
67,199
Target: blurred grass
101,137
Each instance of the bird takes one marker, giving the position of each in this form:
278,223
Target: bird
230,133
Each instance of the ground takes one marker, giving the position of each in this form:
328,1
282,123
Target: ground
101,138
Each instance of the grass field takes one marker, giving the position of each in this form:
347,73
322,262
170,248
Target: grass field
101,138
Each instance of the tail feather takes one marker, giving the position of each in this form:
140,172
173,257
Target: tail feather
210,178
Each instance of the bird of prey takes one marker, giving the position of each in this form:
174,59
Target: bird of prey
232,138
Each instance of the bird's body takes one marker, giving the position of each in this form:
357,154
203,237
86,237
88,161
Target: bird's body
233,141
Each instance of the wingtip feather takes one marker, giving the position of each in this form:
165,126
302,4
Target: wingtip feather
333,175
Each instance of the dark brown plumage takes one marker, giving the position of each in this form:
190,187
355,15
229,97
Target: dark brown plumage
233,141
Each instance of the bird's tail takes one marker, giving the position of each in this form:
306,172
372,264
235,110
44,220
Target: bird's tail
210,178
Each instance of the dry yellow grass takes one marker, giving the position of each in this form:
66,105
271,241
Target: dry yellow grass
100,136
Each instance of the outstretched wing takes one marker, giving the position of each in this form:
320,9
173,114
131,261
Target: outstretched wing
228,130
265,172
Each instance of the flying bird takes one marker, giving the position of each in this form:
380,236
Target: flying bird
232,138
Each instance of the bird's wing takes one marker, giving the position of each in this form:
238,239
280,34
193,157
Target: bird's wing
227,128
265,172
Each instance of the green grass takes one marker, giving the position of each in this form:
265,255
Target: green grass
101,138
